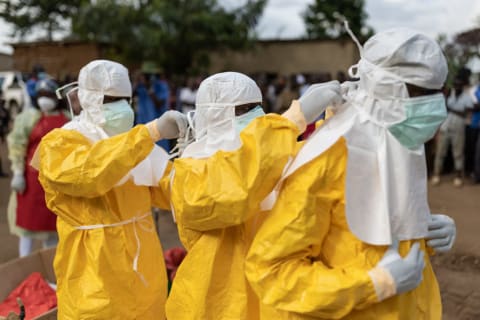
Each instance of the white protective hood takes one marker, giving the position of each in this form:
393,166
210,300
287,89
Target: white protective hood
386,184
97,79
214,120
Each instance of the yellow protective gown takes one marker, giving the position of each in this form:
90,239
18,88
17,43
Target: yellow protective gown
216,203
306,264
94,268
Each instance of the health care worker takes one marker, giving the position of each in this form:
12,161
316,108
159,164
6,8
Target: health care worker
28,215
101,178
357,186
217,185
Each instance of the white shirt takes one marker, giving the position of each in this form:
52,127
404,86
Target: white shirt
187,99
460,104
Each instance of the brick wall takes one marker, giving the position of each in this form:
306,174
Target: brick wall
6,62
58,58
289,57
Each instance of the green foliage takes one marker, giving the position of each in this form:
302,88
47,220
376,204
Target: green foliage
176,34
460,51
324,19
25,15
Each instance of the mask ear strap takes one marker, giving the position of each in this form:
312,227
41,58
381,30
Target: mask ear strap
352,35
353,70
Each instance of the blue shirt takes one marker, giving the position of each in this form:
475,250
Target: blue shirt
147,110
476,115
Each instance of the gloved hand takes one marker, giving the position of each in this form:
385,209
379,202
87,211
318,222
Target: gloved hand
318,97
406,272
18,182
441,232
172,124
394,274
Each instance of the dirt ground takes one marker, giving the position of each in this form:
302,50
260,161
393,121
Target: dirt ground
458,271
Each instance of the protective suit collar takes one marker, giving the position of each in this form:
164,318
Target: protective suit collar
386,183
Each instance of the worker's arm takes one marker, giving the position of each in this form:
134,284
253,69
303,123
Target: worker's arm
71,164
226,188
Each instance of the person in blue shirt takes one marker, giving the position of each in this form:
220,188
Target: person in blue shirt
38,73
476,125
152,92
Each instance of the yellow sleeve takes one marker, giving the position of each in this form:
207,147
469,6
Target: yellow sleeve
71,164
161,194
18,138
284,264
226,188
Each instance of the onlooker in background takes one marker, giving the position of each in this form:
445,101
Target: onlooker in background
471,133
263,84
452,130
188,95
303,83
4,123
29,217
67,79
287,95
153,93
37,73
476,125
275,89
174,92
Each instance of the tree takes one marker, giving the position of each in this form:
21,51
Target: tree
26,15
324,19
464,47
177,34
120,25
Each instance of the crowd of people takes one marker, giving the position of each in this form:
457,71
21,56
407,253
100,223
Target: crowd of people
334,233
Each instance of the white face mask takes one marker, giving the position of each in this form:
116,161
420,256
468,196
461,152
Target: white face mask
119,117
46,104
423,117
242,121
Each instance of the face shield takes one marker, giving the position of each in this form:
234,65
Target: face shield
70,92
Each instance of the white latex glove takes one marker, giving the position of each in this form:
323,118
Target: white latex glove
406,272
441,232
172,124
18,183
318,97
